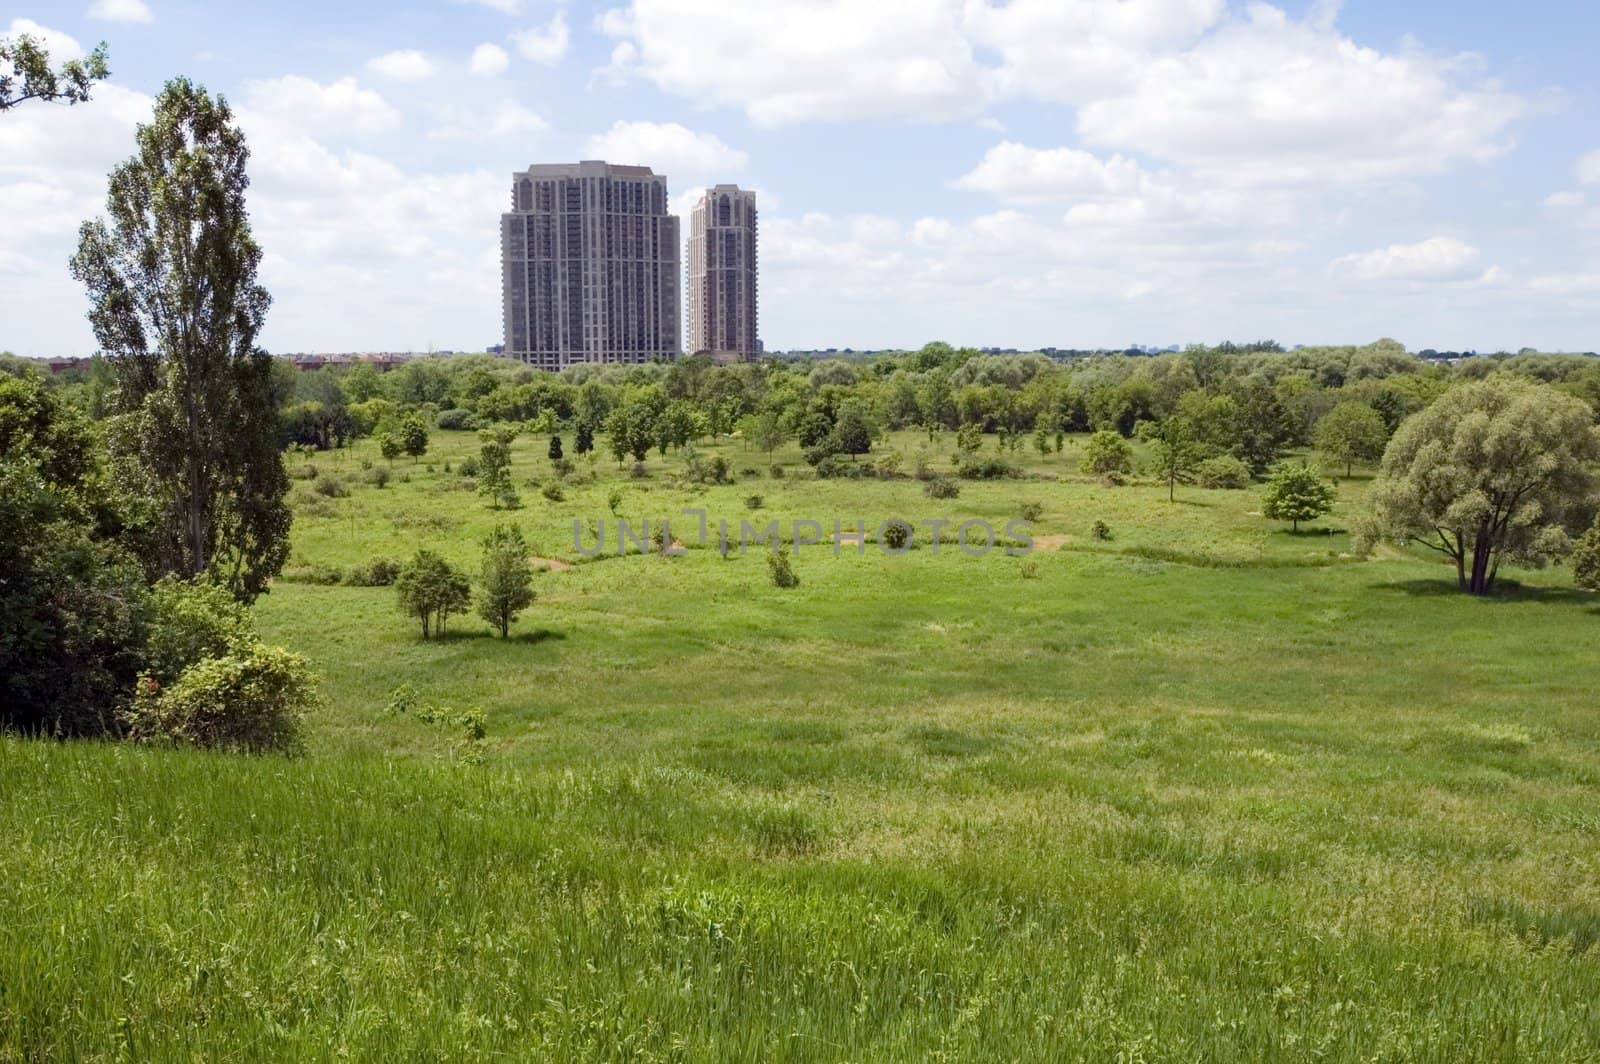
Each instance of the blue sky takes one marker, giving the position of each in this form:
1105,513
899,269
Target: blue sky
1008,172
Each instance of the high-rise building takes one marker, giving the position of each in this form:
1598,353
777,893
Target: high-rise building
590,266
722,274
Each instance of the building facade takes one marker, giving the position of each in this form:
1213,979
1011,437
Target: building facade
590,266
722,274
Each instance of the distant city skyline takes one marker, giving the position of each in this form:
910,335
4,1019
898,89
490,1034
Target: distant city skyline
1024,174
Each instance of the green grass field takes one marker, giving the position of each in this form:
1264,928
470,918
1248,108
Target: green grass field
1207,790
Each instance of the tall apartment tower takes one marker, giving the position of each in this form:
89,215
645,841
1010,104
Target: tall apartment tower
722,274
589,266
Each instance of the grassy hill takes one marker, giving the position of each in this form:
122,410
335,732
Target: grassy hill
1205,789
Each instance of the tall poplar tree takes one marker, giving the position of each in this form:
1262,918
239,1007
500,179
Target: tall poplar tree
176,307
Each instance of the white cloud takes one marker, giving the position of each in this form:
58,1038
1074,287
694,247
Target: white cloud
489,60
785,61
1072,50
121,11
1018,173
544,45
1589,168
1566,284
61,46
505,7
408,64
688,158
1270,100
1439,258
506,119
340,106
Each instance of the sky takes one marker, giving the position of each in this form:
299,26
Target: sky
1013,173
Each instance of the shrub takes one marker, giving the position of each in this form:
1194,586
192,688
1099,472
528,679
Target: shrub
331,487
777,472
639,471
469,466
1029,569
1031,511
1224,471
781,571
306,472
895,534
379,572
457,420
1107,454
614,501
889,465
251,699
974,467
941,487
553,492
1100,530
189,622
1586,559
753,502
378,476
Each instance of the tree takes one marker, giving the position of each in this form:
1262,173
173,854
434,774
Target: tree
1263,427
1174,455
767,432
390,447
175,305
413,435
26,74
1352,432
71,615
431,589
1494,470
852,430
505,584
494,467
632,428
555,449
583,443
1107,454
1296,493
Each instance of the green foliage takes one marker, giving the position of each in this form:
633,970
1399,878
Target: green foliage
249,699
554,451
379,572
196,436
1223,471
978,467
26,73
505,581
1352,432
188,623
457,419
1296,492
1174,453
1107,454
969,438
430,589
1030,511
493,467
1495,470
896,534
781,570
1100,530
853,431
941,487
1586,559
412,435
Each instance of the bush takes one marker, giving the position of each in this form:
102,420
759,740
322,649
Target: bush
754,502
251,699
639,471
1108,455
1031,511
1225,471
1586,559
330,487
457,420
189,623
895,534
941,487
781,571
1100,530
553,492
974,467
306,472
379,572
378,476
777,472
469,466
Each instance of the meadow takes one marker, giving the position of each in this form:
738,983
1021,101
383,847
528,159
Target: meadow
1206,789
